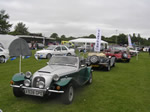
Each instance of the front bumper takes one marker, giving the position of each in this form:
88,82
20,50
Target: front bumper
98,64
40,55
38,89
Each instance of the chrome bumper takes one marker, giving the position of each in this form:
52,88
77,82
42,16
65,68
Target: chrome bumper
44,90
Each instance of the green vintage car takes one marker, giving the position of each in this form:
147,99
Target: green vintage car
61,76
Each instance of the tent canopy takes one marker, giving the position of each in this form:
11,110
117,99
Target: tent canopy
86,40
19,47
5,40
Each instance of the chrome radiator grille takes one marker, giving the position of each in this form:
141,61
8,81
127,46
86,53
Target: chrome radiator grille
36,80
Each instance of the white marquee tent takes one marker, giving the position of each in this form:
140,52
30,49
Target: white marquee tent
87,41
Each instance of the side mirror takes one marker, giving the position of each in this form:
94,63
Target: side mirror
109,57
47,63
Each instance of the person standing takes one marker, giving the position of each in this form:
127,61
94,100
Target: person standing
149,50
36,45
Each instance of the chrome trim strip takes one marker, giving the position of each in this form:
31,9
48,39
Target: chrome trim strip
49,90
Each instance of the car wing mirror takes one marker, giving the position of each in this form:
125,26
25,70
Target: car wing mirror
47,63
109,57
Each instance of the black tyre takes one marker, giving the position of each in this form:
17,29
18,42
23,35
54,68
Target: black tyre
48,56
17,92
128,60
108,67
69,54
114,64
2,59
90,79
68,95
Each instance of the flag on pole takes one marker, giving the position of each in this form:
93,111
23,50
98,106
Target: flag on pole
129,42
97,46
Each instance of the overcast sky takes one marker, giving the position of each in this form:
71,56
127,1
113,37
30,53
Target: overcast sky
80,17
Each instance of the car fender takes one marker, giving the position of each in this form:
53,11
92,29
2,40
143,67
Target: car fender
18,77
64,81
89,71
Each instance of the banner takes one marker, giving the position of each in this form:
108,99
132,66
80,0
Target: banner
97,46
129,42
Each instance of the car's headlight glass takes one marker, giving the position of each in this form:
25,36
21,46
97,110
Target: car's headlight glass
28,74
27,82
41,84
56,77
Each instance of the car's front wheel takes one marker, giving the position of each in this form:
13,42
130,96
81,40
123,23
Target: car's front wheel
69,54
2,59
68,95
17,92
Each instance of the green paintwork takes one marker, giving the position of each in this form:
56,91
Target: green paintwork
18,77
64,81
88,72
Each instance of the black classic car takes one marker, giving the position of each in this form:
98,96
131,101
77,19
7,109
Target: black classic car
100,60
61,76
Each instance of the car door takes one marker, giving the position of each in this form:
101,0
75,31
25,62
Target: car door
57,50
82,77
64,50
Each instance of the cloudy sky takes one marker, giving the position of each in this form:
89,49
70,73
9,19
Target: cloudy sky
80,17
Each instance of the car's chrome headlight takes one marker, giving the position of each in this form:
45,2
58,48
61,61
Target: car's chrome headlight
41,84
27,82
28,74
56,77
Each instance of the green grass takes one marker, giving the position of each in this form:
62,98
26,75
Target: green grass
126,88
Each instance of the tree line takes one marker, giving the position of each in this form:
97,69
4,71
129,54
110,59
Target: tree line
21,29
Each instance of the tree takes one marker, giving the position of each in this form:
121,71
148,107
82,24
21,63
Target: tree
63,37
54,35
20,29
92,36
4,24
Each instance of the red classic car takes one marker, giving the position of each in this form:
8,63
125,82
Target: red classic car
121,53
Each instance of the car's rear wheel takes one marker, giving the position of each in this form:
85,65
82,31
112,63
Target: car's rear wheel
68,95
2,59
48,56
108,67
114,64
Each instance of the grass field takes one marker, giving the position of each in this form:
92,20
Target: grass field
126,88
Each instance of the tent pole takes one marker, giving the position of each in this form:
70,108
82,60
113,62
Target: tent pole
20,65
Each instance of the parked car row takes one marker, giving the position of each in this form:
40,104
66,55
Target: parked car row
63,74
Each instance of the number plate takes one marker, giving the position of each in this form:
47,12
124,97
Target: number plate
95,65
33,92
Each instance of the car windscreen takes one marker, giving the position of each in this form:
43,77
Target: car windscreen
68,61
119,48
51,47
